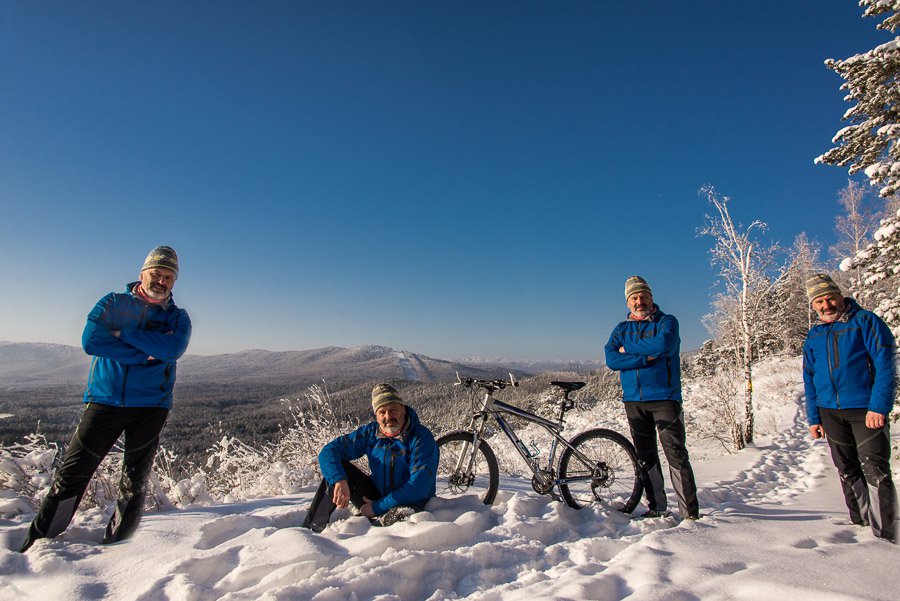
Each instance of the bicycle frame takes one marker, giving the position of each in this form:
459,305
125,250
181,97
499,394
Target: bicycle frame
495,408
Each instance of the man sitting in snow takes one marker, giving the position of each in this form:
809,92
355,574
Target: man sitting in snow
645,350
403,459
848,377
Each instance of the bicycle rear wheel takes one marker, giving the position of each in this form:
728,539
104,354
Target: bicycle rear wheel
461,473
601,467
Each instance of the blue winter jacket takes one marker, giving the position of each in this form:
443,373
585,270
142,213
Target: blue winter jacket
122,373
849,364
645,379
403,468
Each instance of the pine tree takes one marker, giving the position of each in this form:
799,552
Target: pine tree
871,141
880,264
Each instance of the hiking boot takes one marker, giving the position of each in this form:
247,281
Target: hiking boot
396,514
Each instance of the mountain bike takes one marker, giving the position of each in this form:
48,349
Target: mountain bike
596,466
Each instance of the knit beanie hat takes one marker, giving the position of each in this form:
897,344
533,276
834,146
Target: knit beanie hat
820,284
384,394
162,256
636,284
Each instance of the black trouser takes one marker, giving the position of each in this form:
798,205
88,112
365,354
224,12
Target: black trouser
323,506
98,430
862,458
645,419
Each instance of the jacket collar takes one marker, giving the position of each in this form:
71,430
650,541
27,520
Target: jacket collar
131,288
655,315
412,421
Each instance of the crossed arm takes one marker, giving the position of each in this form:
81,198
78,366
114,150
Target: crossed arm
102,337
635,353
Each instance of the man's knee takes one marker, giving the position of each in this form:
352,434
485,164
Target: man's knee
875,473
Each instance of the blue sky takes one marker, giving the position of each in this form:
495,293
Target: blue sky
450,178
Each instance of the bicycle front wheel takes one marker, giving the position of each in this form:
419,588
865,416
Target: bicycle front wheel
600,467
466,470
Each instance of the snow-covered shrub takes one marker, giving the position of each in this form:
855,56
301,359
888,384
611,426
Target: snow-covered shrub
719,408
238,471
103,489
26,470
166,488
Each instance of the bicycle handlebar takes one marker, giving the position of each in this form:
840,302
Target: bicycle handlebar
486,384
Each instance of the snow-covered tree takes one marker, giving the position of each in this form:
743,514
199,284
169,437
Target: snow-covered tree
880,265
871,141
741,312
790,311
853,227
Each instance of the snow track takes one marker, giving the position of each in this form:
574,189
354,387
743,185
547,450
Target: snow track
409,372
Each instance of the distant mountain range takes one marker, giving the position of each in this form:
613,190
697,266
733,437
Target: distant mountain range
26,365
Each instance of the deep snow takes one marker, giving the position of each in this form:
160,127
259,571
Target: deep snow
774,527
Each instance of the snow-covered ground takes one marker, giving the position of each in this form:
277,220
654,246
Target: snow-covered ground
774,527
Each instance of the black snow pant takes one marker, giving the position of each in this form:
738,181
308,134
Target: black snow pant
644,419
323,506
98,430
862,458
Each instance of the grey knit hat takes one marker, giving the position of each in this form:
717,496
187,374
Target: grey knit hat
821,284
384,394
162,256
636,284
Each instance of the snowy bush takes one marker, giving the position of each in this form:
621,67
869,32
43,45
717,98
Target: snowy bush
237,471
719,406
26,470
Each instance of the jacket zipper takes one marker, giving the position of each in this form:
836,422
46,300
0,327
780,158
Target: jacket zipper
393,456
835,363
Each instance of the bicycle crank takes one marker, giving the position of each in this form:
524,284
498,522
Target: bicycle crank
543,481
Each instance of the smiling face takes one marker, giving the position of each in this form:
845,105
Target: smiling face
640,304
157,282
391,418
829,307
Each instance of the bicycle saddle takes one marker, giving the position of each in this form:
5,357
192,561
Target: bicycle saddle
569,386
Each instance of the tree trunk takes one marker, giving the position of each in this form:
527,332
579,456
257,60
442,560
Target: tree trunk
748,405
748,369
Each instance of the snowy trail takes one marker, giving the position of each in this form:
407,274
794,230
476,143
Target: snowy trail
774,527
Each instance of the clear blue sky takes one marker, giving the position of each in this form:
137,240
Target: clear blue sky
450,178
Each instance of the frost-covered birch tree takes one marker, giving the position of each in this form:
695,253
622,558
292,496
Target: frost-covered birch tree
853,226
741,262
791,311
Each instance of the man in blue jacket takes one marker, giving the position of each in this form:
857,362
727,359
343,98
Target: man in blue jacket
848,377
402,456
135,338
645,350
